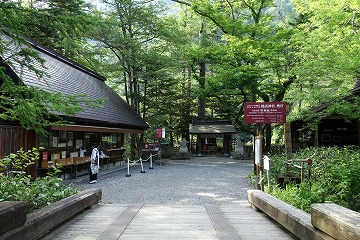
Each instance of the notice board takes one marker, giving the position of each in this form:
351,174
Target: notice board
265,112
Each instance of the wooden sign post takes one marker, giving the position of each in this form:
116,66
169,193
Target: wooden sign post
263,113
258,159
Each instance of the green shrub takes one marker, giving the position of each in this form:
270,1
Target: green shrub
300,195
334,178
15,185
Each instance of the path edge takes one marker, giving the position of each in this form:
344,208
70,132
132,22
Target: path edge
41,221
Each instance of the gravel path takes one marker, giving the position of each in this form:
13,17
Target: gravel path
200,180
201,198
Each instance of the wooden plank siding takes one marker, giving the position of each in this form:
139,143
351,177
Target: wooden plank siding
13,138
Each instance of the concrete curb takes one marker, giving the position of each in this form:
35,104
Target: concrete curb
41,221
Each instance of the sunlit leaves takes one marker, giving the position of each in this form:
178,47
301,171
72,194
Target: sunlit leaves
328,46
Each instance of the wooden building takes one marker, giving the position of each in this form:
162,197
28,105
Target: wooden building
332,131
208,134
69,143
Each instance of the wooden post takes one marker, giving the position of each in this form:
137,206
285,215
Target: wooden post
261,167
287,136
287,140
259,160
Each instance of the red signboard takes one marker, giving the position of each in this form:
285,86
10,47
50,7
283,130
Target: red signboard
45,156
160,133
265,112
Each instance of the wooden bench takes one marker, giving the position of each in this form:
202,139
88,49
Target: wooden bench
336,221
293,219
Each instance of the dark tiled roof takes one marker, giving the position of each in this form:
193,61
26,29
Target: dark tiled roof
211,127
354,92
63,75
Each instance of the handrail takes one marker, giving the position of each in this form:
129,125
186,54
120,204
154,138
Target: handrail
302,162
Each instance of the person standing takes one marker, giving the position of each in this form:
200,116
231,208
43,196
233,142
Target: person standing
94,163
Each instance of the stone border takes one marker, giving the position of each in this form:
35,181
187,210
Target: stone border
293,219
41,221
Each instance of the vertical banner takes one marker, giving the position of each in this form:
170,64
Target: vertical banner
266,163
160,133
45,156
259,162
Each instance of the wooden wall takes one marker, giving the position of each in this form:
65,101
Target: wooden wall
13,138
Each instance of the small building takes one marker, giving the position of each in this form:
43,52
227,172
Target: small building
69,144
331,131
210,134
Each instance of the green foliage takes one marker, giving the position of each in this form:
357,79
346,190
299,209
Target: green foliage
327,62
55,25
15,185
334,178
16,164
247,53
301,196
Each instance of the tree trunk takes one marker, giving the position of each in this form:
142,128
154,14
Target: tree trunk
267,137
201,106
201,100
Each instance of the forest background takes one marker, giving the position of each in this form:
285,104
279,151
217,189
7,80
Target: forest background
199,59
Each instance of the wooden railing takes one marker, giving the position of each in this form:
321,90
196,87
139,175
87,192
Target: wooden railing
300,164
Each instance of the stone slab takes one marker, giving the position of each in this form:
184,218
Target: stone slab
114,231
170,222
223,227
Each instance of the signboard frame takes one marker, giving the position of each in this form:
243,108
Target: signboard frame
265,112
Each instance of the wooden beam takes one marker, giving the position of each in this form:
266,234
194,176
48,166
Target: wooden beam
339,222
295,220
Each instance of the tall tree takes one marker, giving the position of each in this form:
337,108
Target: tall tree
138,49
170,100
58,25
327,36
249,58
30,106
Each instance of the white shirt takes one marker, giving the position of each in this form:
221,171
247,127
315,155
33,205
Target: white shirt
95,156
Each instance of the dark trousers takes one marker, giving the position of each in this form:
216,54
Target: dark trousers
93,176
